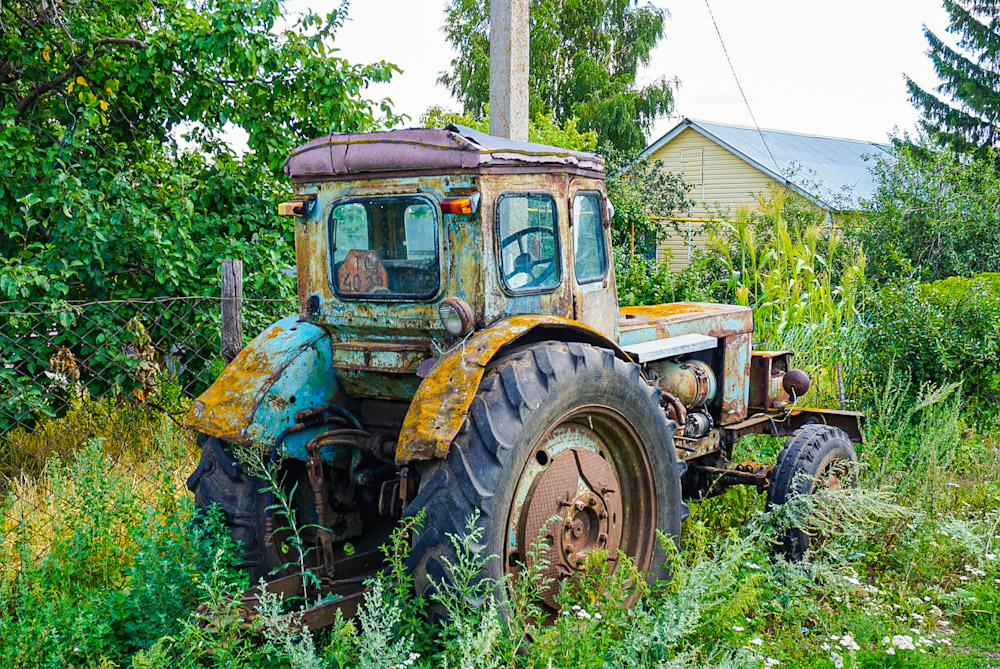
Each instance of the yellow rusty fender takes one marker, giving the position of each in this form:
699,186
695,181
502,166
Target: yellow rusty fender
445,395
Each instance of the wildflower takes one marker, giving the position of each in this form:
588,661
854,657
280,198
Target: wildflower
737,628
943,623
771,662
903,642
825,646
890,651
852,580
963,578
838,661
757,641
597,615
849,643
926,598
990,556
753,566
837,599
916,616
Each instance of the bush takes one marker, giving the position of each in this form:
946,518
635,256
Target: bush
941,332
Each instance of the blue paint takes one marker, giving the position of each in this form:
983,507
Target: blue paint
300,362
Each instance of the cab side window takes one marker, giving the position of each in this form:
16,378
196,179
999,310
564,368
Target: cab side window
591,249
528,242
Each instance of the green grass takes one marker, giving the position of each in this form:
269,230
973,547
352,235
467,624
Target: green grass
103,567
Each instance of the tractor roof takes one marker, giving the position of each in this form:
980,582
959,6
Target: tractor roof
428,150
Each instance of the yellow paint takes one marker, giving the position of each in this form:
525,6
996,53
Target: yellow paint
443,399
729,183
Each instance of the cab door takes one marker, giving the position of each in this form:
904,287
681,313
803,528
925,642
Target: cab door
594,298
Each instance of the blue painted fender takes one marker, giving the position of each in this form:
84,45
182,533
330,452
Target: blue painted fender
286,368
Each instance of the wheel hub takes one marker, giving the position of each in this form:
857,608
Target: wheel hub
574,510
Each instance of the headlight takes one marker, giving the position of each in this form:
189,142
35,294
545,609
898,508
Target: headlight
456,316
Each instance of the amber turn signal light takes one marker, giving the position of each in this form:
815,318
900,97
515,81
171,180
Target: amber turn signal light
459,205
299,207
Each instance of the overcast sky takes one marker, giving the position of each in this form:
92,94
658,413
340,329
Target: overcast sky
826,68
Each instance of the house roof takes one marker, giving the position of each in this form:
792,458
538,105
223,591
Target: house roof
831,171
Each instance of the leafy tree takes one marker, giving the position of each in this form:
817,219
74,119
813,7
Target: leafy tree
639,190
963,116
544,129
932,216
584,55
97,199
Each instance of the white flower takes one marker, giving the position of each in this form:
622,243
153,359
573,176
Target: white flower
849,643
825,646
852,580
903,642
771,662
943,623
598,615
737,628
757,642
837,599
963,578
926,598
916,616
890,651
838,661
990,556
576,607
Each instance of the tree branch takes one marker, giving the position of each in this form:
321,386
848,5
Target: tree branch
62,78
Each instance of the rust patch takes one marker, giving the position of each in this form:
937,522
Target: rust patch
735,379
443,399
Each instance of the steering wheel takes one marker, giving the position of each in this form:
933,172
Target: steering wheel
525,262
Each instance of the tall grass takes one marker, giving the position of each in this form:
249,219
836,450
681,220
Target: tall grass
803,283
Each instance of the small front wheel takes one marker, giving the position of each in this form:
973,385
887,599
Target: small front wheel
815,456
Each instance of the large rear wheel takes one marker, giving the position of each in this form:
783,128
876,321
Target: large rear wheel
566,450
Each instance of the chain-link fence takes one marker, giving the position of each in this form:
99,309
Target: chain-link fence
117,376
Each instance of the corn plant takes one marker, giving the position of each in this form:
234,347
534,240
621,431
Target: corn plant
802,281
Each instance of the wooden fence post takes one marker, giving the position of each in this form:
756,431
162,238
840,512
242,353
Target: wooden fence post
232,309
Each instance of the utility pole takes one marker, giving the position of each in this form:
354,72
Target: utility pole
509,69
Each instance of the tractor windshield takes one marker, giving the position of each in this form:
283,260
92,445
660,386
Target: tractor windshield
385,248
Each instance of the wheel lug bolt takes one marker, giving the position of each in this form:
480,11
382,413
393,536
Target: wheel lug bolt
579,505
602,538
592,501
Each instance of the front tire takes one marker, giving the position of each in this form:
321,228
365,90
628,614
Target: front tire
815,456
555,429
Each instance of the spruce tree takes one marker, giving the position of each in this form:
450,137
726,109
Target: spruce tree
965,113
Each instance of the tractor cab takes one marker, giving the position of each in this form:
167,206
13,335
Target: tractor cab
428,234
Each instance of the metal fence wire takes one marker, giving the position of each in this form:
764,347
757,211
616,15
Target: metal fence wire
119,372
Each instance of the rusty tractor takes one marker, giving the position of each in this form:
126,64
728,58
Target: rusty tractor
459,348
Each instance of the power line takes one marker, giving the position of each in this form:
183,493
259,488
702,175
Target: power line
740,86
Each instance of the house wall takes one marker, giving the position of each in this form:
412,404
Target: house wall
722,182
